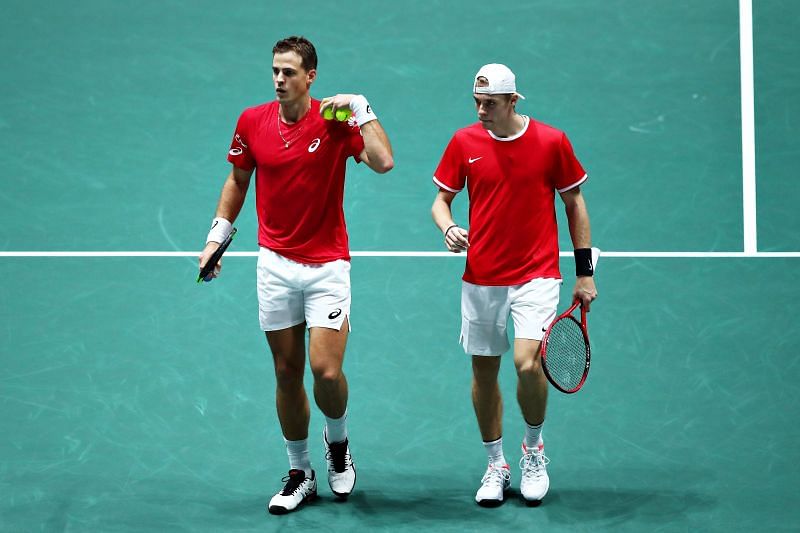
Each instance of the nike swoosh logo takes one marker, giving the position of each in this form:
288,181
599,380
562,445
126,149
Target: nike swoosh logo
471,160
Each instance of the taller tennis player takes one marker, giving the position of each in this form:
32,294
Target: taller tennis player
512,166
303,272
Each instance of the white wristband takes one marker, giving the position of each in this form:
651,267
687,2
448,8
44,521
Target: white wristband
362,111
220,229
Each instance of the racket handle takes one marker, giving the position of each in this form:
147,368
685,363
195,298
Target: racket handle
208,268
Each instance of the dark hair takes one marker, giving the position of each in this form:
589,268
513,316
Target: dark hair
302,47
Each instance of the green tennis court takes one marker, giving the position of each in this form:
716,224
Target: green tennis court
133,399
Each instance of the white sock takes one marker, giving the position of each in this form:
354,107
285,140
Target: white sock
336,428
533,435
298,455
494,450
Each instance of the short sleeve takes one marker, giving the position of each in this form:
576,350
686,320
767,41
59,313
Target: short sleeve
570,173
451,175
239,153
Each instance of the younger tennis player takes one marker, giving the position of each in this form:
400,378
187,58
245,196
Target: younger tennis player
512,166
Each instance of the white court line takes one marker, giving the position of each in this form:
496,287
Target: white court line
642,255
748,127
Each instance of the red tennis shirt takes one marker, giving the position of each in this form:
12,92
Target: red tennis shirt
511,183
299,189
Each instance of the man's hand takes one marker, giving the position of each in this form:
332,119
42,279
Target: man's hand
456,239
340,101
585,291
206,254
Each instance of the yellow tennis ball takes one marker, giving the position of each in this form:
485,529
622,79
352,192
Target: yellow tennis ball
343,114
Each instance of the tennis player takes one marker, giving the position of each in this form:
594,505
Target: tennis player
512,166
303,272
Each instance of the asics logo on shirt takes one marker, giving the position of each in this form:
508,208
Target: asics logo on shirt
473,159
314,145
237,151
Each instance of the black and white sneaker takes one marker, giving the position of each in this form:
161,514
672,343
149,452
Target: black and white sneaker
298,490
341,470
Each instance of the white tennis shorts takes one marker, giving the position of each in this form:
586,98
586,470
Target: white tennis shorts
485,311
290,293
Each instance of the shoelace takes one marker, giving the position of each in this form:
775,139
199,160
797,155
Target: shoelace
338,458
293,481
496,476
533,463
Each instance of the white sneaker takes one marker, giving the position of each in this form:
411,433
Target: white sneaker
494,484
298,489
535,481
341,470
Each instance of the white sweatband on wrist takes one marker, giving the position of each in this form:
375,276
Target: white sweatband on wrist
362,111
220,229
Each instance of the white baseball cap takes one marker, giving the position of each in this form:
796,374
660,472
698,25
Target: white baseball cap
500,78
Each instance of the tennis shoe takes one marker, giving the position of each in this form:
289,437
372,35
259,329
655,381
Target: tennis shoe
534,482
298,490
341,470
494,484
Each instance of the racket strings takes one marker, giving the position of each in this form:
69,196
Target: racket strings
566,353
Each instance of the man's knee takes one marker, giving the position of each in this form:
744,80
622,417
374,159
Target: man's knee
287,374
527,359
529,368
327,372
528,364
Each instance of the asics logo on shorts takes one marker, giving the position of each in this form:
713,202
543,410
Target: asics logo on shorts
335,314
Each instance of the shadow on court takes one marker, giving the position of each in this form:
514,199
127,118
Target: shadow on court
616,506
402,506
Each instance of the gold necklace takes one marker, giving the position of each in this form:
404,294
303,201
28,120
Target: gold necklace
299,131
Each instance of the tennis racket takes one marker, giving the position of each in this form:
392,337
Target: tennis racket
208,268
566,352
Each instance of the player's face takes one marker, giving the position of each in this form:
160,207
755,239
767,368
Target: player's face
493,109
290,79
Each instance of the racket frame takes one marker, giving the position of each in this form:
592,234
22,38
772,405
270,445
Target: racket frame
567,315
